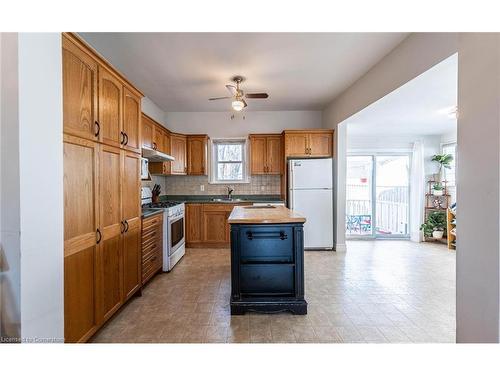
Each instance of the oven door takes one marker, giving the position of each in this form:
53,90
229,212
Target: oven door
175,233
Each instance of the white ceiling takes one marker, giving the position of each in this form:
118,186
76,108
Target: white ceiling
300,71
420,107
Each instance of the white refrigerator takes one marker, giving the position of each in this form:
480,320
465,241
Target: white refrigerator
310,183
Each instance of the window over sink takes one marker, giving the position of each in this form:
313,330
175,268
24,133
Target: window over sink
229,158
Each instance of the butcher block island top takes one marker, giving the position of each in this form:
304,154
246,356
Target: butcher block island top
264,215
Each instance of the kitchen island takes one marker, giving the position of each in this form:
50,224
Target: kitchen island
267,260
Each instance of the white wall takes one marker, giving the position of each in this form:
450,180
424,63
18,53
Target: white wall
412,57
152,110
41,164
478,174
10,251
219,124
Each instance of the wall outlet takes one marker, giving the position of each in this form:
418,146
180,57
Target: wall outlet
202,187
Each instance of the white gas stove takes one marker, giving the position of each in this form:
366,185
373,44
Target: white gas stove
174,244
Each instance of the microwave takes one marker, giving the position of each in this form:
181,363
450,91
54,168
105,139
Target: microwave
145,169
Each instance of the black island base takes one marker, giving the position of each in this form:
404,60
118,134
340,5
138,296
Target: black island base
267,267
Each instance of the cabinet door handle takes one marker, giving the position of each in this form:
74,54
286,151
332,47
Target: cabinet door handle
122,227
98,129
126,138
269,235
154,145
99,238
122,135
126,228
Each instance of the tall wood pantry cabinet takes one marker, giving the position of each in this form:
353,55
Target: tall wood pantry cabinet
102,212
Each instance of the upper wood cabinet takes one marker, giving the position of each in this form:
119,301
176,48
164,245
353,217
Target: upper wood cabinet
79,91
197,154
178,148
99,103
321,143
266,154
110,108
158,138
131,121
308,143
147,126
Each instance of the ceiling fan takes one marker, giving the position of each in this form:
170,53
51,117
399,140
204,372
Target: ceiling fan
237,94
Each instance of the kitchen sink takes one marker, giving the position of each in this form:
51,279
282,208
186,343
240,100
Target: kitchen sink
227,200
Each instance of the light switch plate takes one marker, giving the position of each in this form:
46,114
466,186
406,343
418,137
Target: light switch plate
202,187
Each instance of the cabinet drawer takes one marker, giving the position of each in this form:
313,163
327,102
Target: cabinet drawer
148,252
267,279
266,244
152,221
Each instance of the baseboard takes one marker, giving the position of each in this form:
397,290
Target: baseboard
340,248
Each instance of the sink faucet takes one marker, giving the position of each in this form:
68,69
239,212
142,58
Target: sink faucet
229,192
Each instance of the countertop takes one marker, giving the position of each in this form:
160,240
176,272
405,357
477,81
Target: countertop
148,212
209,198
264,215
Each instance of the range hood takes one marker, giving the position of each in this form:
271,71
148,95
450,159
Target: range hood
155,155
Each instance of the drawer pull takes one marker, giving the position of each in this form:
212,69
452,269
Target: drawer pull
269,235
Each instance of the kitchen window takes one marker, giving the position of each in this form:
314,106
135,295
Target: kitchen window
229,161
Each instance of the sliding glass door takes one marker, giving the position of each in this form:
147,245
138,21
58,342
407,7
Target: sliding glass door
377,194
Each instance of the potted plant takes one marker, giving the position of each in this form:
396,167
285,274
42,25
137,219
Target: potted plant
444,161
437,189
435,225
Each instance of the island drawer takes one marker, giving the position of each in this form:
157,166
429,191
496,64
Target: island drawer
267,279
266,244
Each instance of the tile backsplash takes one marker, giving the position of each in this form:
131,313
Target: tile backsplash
190,185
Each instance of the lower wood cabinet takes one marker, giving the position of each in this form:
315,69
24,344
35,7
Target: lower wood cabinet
152,246
207,225
101,233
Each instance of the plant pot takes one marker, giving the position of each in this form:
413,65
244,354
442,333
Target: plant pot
437,193
438,234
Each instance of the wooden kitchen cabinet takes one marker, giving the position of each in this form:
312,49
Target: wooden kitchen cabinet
321,143
131,121
207,224
110,108
151,246
158,138
197,154
215,226
194,224
308,143
265,154
79,91
178,148
147,125
81,221
102,228
131,216
110,252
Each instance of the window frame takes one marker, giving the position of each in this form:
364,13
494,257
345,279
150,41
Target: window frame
214,161
454,145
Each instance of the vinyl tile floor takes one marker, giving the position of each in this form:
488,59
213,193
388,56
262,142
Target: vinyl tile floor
375,292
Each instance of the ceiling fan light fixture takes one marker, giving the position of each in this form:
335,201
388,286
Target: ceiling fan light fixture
238,105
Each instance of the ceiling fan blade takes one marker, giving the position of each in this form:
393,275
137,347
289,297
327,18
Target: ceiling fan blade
244,102
233,90
221,97
260,95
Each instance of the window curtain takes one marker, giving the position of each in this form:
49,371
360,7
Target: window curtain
417,191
